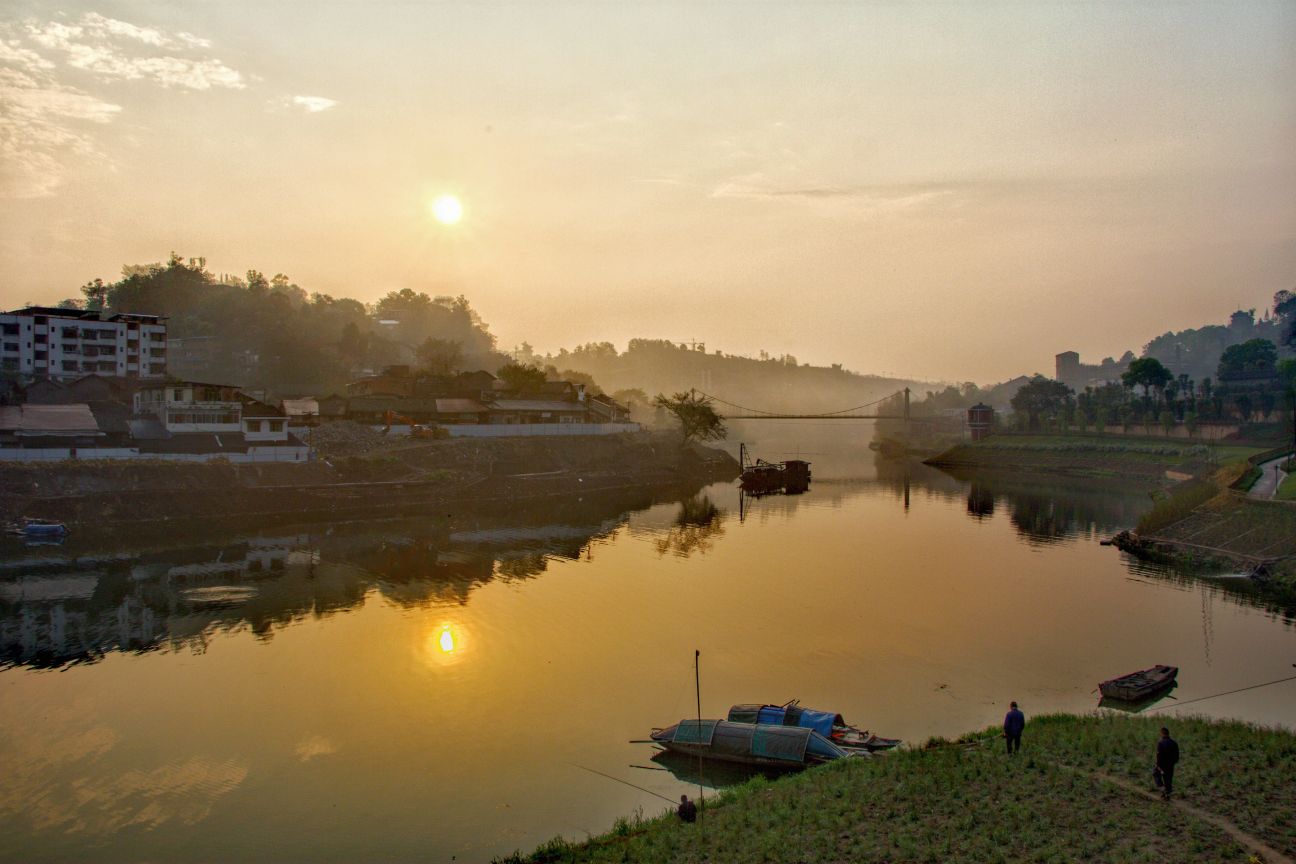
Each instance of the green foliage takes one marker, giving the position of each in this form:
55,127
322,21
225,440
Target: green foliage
1148,373
440,356
697,417
1182,500
270,333
1041,399
1253,357
522,377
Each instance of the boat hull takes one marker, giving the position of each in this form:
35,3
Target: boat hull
1141,685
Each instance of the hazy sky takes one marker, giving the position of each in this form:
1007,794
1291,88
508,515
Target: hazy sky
951,191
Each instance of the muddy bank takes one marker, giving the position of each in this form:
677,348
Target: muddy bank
402,477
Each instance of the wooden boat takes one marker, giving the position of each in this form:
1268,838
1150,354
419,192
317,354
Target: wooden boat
37,528
778,748
826,723
1139,685
762,478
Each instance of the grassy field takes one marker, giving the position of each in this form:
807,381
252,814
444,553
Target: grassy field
1072,794
1287,491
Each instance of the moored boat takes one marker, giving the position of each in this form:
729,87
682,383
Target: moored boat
762,746
826,723
1139,685
28,527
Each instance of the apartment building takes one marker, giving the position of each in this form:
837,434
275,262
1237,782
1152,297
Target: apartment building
45,342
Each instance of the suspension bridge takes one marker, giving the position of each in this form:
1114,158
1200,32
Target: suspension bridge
867,411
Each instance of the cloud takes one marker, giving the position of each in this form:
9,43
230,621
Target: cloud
46,124
314,104
887,198
110,48
41,126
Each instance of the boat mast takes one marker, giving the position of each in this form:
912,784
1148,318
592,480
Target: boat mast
697,683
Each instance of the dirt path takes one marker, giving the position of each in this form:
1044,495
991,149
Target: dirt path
1266,853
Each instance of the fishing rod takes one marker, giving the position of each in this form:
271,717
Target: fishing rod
619,780
1225,693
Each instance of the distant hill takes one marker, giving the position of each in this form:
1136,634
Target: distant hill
778,384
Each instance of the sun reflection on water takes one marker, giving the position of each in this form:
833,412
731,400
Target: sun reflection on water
444,645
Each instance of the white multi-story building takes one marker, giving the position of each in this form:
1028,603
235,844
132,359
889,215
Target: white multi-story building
45,342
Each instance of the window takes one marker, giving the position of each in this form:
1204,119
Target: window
177,395
69,333
41,338
276,425
69,365
9,329
11,346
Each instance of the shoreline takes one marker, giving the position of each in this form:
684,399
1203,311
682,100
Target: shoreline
406,479
1080,789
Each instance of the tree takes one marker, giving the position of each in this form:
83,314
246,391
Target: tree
96,294
440,356
1040,399
696,416
1147,372
522,377
1255,357
1285,309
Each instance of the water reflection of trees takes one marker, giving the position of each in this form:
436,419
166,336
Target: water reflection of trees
697,526
75,604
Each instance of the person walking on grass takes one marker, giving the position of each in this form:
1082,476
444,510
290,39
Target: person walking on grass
1014,723
1167,756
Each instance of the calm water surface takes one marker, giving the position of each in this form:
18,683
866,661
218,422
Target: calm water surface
426,688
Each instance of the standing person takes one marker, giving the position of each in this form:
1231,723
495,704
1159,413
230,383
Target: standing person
687,809
1014,723
1167,756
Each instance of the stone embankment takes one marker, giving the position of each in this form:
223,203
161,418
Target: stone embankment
358,474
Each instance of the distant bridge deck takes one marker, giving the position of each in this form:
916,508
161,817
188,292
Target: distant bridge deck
745,413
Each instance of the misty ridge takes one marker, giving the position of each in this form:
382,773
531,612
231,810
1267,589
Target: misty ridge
271,334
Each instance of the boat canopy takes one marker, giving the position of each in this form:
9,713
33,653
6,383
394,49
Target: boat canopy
781,743
787,715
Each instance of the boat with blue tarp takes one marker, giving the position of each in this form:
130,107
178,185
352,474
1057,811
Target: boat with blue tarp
763,746
38,528
829,724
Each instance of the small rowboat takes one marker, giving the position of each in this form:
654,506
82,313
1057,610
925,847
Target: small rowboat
1139,685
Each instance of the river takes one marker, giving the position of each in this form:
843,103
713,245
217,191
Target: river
432,688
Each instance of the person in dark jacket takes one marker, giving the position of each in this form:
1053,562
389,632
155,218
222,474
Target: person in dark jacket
687,809
1167,756
1014,723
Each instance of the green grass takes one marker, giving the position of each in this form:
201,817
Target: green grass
968,802
1287,491
1178,504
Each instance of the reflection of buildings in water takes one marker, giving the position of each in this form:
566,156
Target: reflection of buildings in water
980,501
57,610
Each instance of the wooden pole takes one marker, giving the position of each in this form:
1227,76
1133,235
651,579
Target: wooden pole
697,683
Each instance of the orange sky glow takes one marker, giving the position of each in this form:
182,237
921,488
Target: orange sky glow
942,191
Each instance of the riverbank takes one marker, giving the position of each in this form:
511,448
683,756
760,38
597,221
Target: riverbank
1148,460
1201,517
351,481
1081,789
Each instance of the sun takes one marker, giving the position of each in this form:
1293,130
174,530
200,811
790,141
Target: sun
447,209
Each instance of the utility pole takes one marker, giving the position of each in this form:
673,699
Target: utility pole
906,411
